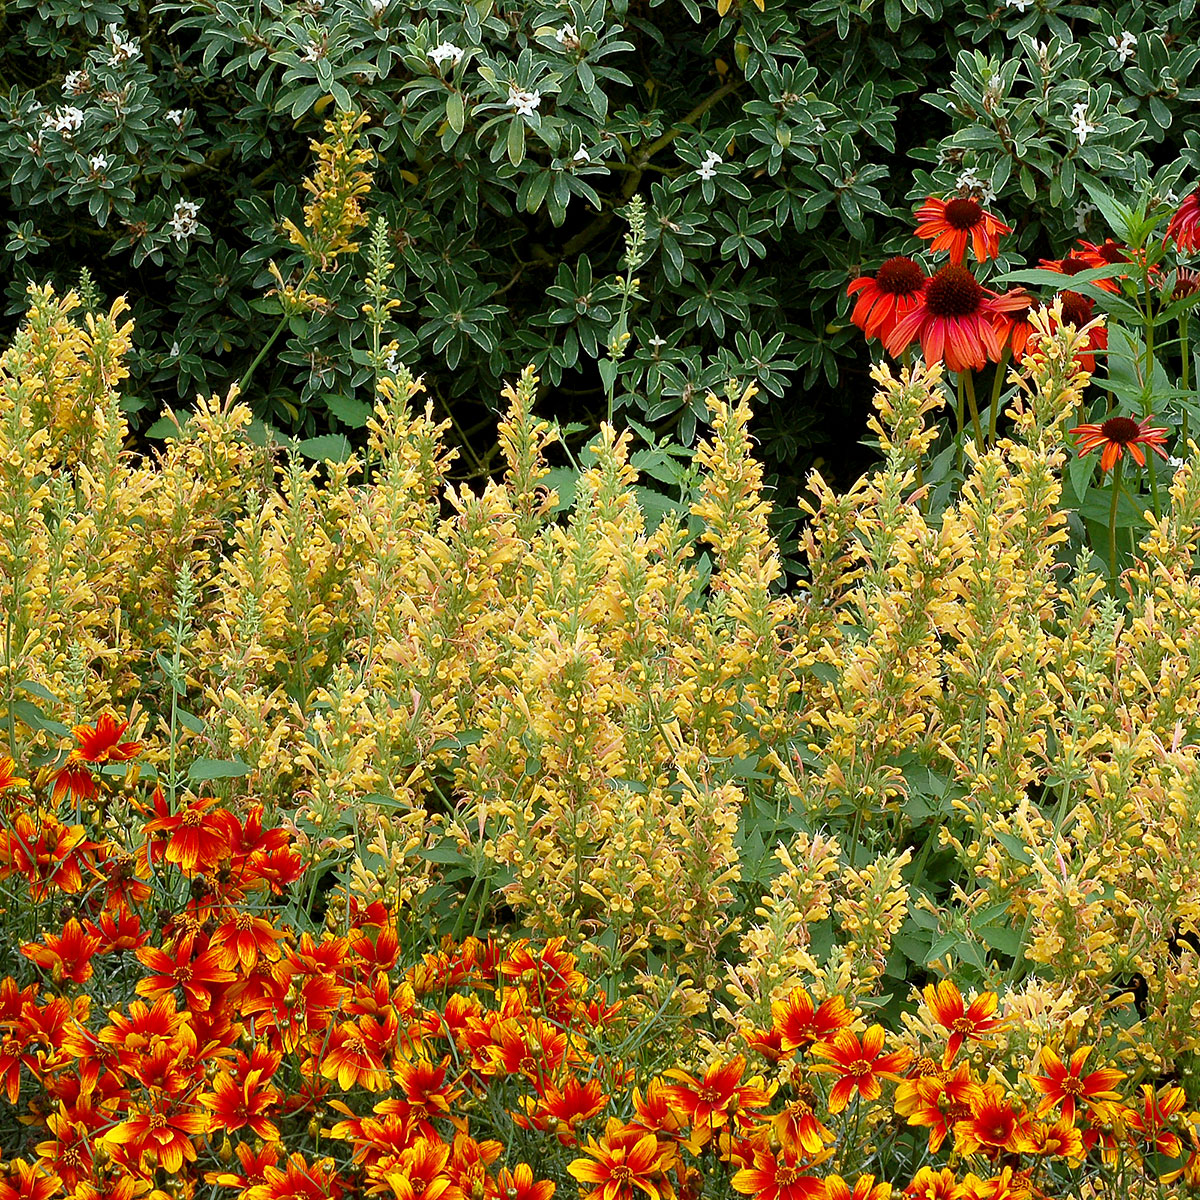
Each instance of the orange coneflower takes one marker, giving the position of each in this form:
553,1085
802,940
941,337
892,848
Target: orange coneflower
778,1176
1064,1084
800,1022
1074,262
1184,228
859,1065
957,321
1117,435
1078,310
958,222
945,1002
889,296
628,1163
1013,321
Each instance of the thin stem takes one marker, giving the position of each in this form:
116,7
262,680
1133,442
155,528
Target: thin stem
245,379
997,384
1183,349
961,420
1112,519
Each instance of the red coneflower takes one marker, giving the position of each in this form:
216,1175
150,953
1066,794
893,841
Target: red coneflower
955,222
1078,310
1185,224
956,320
1117,435
889,296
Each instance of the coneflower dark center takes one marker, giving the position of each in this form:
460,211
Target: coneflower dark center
1076,309
1111,252
1121,430
900,276
964,214
1073,264
953,292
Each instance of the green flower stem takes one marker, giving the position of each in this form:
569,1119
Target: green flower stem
1112,518
1184,377
960,417
969,377
997,384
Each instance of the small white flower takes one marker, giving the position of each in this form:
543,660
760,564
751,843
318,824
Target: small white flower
183,221
122,48
1080,125
1171,199
581,155
66,119
657,341
312,52
1019,5
98,163
177,116
1172,461
1041,50
1126,48
391,364
969,180
1083,210
567,36
174,349
446,52
76,83
379,7
818,125
524,103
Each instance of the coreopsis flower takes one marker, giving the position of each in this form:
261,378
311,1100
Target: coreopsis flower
245,1101
625,1163
1060,1140
1154,1120
996,1122
24,1181
199,977
963,1023
165,1131
957,223
356,1053
859,1065
560,1110
782,1175
797,1125
1064,1084
518,1184
68,957
930,1184
243,938
800,1022
720,1095
865,1188
95,745
198,834
1113,437
1184,228
956,320
937,1101
9,779
889,295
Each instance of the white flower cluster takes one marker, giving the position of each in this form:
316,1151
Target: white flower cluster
379,7
98,163
1019,5
1080,126
1126,48
76,83
969,179
523,103
708,168
121,47
1083,210
567,36
446,52
312,52
177,116
66,119
183,221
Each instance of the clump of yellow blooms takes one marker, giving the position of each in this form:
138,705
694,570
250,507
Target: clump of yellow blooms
709,777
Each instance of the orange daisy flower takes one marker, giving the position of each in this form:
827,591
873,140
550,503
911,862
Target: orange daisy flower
165,1135
938,1101
859,1065
1118,434
797,1125
781,1176
886,298
197,837
559,1111
956,320
800,1023
25,1182
945,1002
958,222
1184,228
199,977
8,775
518,1184
1060,1140
1154,1120
627,1162
1064,1083
994,1122
241,938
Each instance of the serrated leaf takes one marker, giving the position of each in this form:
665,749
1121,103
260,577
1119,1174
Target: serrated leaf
332,446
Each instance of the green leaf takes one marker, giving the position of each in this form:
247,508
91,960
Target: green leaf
36,689
218,768
516,141
455,112
332,446
1004,938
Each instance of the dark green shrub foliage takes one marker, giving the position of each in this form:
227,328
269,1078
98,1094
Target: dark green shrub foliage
777,151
